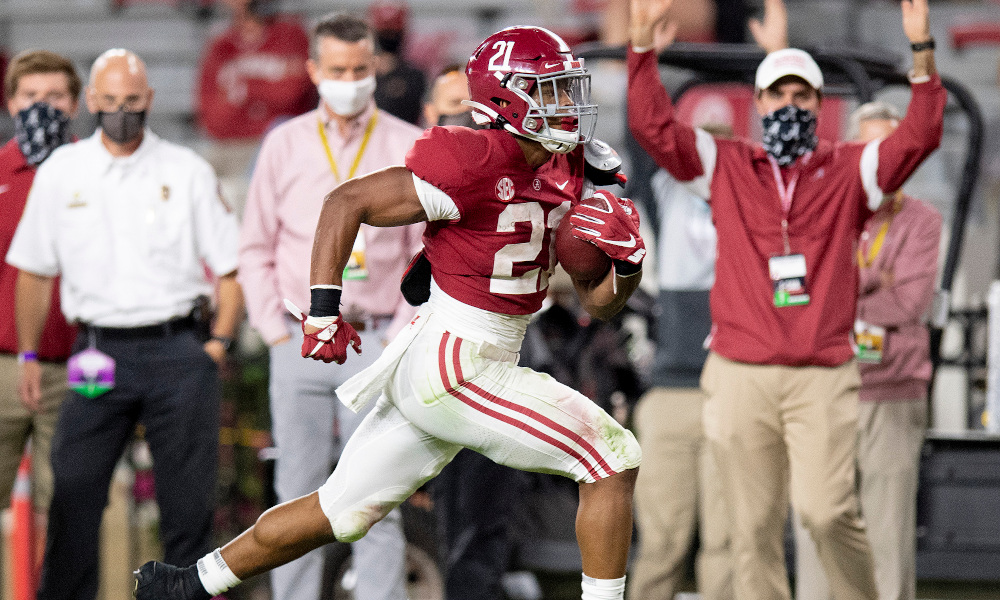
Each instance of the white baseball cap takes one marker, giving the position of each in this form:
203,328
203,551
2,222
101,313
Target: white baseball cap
788,61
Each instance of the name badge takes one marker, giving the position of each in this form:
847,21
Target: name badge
91,373
788,276
356,268
869,342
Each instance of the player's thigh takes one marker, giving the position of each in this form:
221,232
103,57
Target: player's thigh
383,463
515,416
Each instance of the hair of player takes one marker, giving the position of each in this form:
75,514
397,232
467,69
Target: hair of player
32,62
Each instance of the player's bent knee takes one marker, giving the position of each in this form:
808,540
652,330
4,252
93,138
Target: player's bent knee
352,524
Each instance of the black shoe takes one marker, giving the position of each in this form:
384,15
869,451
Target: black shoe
158,581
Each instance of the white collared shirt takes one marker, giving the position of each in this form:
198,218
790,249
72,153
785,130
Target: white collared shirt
129,236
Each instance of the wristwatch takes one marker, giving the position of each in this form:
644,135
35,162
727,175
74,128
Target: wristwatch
921,46
227,342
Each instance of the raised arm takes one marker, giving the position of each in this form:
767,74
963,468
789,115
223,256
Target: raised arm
917,27
673,145
919,133
771,33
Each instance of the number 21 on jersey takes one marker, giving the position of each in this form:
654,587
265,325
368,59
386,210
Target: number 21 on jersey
503,280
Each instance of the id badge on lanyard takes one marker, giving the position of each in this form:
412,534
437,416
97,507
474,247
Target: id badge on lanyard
869,342
788,271
90,372
356,268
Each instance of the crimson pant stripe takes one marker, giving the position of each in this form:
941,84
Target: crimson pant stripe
536,416
443,367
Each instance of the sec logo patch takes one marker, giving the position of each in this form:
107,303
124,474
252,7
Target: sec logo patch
505,189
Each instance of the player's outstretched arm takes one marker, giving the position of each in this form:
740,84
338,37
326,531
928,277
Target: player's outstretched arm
385,198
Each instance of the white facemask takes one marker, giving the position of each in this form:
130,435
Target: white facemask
347,98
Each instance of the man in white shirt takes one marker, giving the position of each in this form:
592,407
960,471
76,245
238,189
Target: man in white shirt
127,220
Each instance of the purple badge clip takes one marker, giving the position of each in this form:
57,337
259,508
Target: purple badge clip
91,372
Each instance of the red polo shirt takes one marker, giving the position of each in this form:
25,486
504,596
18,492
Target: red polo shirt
15,181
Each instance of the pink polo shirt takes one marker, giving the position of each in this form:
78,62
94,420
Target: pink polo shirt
290,179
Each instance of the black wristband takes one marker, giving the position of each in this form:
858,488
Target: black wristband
624,268
921,46
324,302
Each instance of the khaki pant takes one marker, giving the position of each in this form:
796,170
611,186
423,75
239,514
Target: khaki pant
677,492
889,444
17,424
775,431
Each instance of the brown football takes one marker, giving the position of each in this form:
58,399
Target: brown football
581,259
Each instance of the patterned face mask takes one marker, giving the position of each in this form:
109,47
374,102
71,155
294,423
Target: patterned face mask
39,130
789,132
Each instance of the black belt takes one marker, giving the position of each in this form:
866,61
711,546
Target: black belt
160,330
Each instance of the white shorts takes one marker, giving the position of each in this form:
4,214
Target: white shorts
447,393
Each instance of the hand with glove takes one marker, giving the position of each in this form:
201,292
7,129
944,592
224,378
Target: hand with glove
611,224
325,338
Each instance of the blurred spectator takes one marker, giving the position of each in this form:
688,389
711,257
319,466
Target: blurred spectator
678,492
400,86
251,74
444,105
898,260
42,90
781,378
130,221
300,161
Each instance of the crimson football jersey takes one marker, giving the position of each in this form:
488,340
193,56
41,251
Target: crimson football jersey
499,254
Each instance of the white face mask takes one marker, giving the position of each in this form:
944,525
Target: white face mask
347,98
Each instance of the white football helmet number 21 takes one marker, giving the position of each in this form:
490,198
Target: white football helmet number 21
526,80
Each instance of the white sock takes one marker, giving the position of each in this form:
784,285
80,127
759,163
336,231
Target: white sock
603,589
215,574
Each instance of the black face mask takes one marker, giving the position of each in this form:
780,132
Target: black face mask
39,130
122,126
389,40
789,133
462,119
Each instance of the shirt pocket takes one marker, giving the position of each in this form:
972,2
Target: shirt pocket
84,236
168,227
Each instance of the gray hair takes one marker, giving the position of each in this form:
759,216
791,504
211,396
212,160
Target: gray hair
872,111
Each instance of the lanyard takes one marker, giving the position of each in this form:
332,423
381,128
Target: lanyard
361,150
876,245
785,193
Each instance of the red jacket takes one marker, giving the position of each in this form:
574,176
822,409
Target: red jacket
243,89
824,221
910,252
15,181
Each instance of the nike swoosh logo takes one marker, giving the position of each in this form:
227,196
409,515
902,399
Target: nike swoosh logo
629,244
562,185
550,65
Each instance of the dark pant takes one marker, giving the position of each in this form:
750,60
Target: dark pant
477,503
171,386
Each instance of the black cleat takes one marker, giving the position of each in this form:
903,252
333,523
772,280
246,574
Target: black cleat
159,581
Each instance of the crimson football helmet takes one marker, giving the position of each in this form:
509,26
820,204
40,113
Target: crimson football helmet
525,80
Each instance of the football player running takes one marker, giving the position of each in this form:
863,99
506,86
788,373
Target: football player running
493,199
